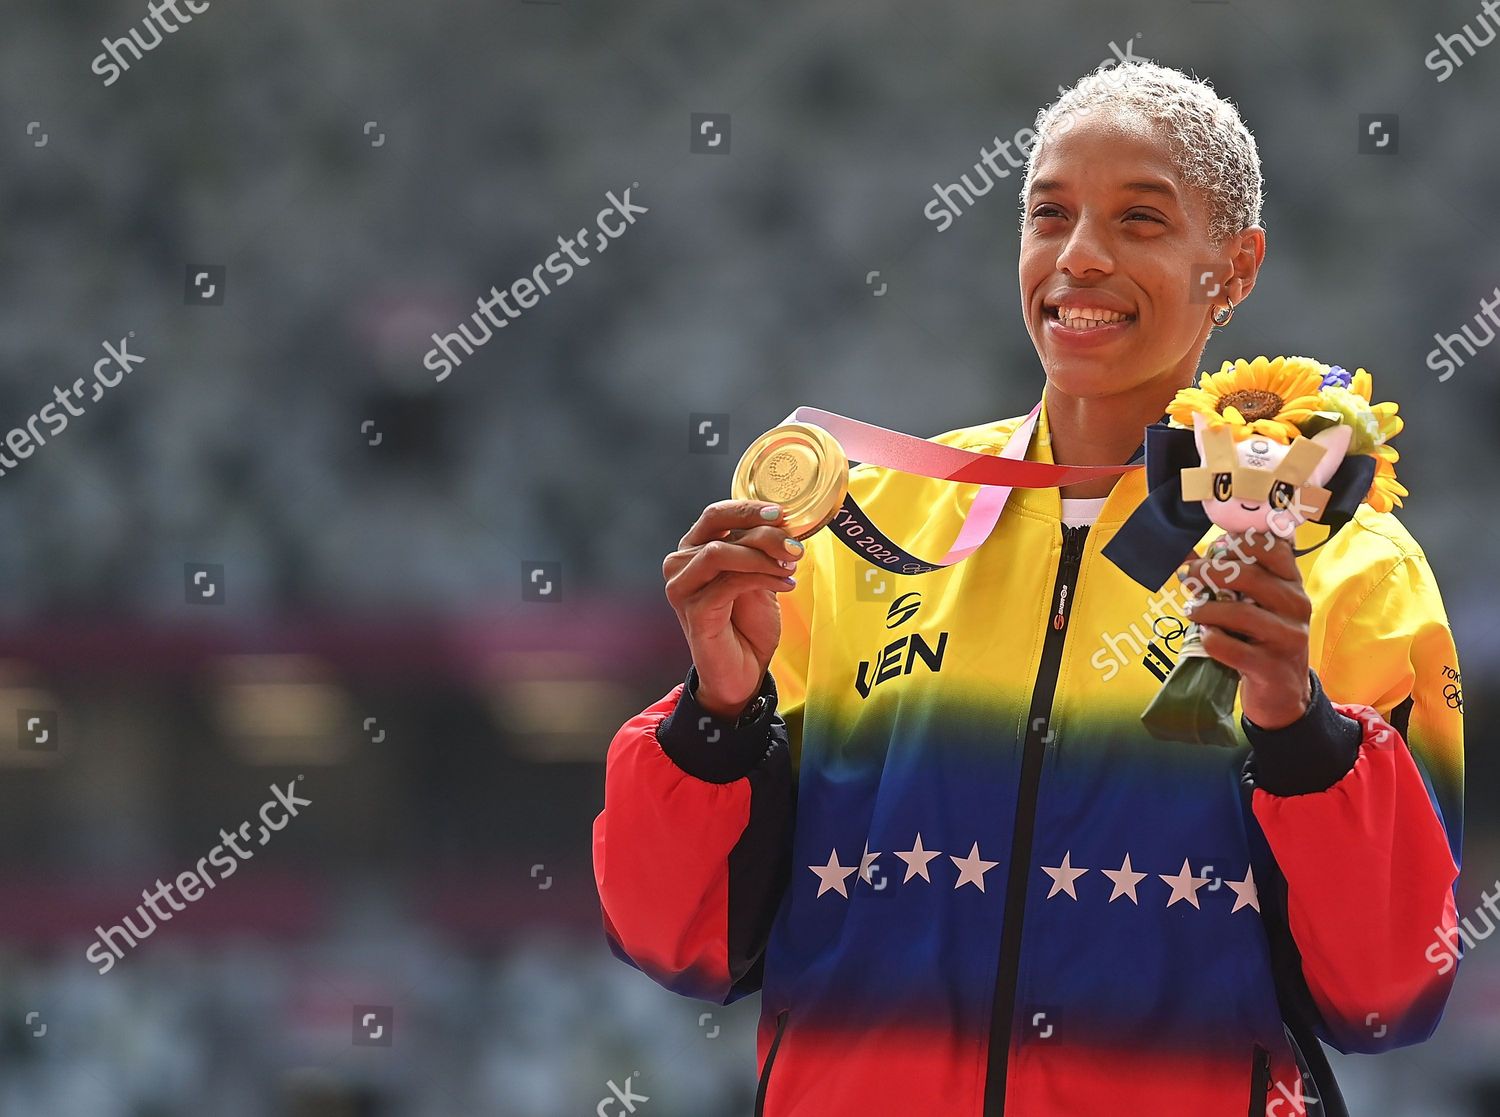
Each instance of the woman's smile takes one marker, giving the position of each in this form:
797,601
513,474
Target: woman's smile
1085,319
1113,232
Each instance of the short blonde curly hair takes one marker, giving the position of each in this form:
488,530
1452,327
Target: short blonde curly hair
1210,144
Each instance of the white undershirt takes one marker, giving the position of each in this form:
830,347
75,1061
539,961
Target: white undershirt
1078,511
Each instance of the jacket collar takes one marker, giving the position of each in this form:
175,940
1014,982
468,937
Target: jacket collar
1128,492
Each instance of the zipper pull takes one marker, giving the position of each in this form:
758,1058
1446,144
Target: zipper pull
1072,538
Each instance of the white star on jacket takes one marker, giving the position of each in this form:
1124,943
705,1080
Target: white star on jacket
1063,876
1184,885
1125,880
1245,894
916,859
833,875
971,869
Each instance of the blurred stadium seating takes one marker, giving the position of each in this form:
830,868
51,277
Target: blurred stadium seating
372,524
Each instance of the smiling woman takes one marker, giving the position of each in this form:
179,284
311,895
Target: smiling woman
1050,941
1140,212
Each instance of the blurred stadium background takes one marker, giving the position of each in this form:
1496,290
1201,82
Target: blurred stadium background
364,172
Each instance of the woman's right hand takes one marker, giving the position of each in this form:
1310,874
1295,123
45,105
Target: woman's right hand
722,581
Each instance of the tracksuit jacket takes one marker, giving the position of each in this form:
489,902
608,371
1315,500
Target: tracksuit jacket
966,881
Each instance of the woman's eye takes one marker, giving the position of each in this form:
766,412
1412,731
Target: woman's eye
1046,211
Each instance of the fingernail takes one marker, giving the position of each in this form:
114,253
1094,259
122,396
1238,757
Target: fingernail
789,580
793,545
770,512
786,565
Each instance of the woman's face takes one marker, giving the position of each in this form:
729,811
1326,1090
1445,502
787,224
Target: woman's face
1112,254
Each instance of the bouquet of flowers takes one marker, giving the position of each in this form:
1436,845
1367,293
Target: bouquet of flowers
1270,435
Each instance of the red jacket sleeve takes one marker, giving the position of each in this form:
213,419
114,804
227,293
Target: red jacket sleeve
1369,892
1362,802
692,849
692,852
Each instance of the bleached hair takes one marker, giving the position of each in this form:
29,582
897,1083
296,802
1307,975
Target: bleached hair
1209,142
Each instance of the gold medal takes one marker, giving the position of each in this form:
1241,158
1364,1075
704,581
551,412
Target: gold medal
799,466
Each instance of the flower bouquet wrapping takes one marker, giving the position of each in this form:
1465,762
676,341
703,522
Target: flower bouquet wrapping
1278,443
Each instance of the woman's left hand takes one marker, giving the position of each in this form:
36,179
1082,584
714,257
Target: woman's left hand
1273,616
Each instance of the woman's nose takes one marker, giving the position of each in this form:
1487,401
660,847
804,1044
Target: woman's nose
1086,250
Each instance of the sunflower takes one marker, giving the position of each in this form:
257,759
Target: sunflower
1376,425
1291,396
1260,397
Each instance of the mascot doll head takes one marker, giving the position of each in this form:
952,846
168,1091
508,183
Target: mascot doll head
1270,435
1257,482
1267,444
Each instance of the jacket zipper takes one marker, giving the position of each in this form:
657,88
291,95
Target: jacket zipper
1033,752
765,1074
1260,1081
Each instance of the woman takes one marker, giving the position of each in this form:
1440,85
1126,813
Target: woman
932,830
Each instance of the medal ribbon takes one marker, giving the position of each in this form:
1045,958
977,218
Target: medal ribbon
871,445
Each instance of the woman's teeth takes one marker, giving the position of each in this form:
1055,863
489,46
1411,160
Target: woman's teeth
1088,317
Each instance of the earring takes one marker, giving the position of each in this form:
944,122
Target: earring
1227,311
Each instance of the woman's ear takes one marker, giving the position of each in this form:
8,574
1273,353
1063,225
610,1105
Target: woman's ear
1247,251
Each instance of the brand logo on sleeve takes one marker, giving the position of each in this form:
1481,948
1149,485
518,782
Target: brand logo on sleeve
1452,692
